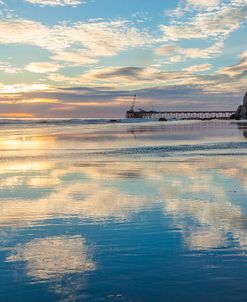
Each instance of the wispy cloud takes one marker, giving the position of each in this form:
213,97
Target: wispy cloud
8,68
211,21
21,88
203,3
198,68
136,77
175,51
237,70
42,67
56,2
203,25
92,39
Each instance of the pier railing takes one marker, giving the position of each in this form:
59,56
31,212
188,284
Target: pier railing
180,115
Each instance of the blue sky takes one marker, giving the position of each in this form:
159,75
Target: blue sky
87,58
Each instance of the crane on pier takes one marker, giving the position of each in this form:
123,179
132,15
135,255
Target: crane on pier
133,103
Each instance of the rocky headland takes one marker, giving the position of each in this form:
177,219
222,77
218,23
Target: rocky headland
241,112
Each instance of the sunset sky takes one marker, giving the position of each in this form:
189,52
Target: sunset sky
76,58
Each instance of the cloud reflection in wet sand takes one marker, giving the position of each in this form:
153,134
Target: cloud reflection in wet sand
53,257
185,189
89,200
204,208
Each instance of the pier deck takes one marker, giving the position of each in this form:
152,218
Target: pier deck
180,115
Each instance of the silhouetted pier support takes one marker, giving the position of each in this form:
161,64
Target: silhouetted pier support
180,115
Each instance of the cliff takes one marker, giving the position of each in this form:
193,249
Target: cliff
241,112
244,107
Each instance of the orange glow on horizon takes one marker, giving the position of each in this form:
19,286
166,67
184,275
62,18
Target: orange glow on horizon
13,115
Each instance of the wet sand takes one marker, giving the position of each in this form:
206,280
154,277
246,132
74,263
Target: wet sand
127,212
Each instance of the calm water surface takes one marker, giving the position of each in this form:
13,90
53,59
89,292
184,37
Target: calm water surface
125,212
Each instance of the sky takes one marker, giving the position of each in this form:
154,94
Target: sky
87,58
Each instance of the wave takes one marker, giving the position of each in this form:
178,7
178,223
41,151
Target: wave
142,153
74,121
232,147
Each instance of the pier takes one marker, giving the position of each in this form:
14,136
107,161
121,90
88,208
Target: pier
179,115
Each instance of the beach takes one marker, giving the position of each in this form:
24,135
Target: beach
129,211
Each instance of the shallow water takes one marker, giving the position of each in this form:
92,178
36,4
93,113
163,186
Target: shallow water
130,212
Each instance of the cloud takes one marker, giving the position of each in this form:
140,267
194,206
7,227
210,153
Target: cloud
85,101
86,43
92,39
52,258
204,20
192,20
8,68
22,88
110,89
190,6
56,2
176,53
127,76
27,101
119,77
42,67
27,32
201,4
237,70
166,50
76,57
208,24
198,68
